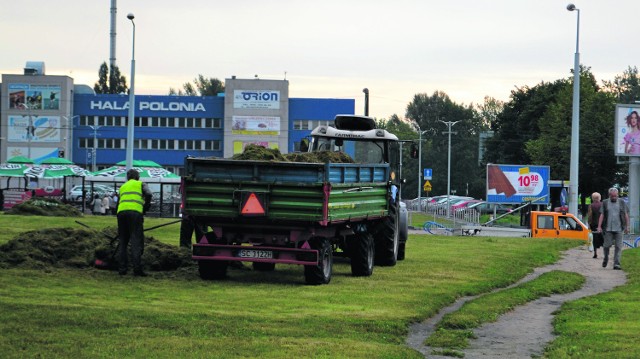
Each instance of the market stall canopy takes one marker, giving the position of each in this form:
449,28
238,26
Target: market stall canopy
140,163
41,171
56,161
20,159
147,174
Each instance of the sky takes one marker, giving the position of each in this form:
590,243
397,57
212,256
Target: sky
468,49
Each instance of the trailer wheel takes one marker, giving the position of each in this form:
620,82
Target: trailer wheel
321,272
386,240
362,252
264,266
212,269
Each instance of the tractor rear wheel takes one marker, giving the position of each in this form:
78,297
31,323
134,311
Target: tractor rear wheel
362,252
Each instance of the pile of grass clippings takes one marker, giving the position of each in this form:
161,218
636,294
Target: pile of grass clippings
81,248
256,152
260,153
44,207
319,157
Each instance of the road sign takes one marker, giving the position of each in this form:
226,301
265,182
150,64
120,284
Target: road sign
427,186
427,173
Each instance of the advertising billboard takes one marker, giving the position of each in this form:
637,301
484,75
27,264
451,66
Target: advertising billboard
34,129
255,125
627,127
36,97
517,184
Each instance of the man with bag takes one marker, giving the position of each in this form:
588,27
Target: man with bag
134,201
614,220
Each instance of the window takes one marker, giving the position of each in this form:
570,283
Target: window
545,222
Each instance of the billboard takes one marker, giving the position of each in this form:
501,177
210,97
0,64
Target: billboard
627,127
34,129
517,184
255,125
36,97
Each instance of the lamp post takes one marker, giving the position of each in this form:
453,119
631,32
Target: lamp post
132,99
420,132
95,147
67,134
449,125
575,122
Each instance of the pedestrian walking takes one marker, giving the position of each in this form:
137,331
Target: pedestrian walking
105,205
134,200
613,222
113,204
593,216
96,205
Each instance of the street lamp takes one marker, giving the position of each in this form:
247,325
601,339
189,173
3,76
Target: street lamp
575,122
132,99
420,132
449,125
95,147
67,134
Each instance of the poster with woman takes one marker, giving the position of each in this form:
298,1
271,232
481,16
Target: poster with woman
627,138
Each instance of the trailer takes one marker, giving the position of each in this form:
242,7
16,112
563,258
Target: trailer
269,212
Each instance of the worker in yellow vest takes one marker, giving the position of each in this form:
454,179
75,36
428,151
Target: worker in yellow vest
135,199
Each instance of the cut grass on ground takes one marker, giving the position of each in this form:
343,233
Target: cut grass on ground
455,328
92,313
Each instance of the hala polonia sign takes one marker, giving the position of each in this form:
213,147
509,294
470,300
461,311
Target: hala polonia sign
518,184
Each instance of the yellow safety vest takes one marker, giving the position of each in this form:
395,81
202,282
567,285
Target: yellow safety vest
131,197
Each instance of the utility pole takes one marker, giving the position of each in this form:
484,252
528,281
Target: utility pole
95,145
449,125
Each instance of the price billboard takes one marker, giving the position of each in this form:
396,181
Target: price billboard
517,184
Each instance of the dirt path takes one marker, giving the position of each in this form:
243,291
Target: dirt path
526,331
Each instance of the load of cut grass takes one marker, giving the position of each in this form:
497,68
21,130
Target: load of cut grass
319,157
44,207
81,248
259,153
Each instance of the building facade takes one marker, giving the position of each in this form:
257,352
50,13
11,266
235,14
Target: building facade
45,117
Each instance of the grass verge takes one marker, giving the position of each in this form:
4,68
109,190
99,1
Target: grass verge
454,329
602,326
92,313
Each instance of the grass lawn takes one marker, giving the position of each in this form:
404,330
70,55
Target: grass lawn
93,313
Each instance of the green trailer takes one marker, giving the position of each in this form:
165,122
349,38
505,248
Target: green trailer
269,212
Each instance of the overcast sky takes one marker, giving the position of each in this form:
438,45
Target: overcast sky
329,49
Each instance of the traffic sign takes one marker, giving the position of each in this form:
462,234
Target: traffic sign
427,186
427,173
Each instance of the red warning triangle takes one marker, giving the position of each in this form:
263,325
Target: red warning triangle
253,205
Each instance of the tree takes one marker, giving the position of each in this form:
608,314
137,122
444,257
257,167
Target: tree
201,86
518,123
427,112
110,81
626,87
597,167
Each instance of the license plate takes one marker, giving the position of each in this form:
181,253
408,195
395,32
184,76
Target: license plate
253,253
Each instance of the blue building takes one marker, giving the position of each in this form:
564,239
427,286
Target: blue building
91,130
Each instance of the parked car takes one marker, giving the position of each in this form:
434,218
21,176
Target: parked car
488,208
464,204
75,194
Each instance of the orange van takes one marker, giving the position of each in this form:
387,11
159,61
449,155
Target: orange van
557,225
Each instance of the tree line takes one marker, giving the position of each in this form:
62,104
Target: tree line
532,128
